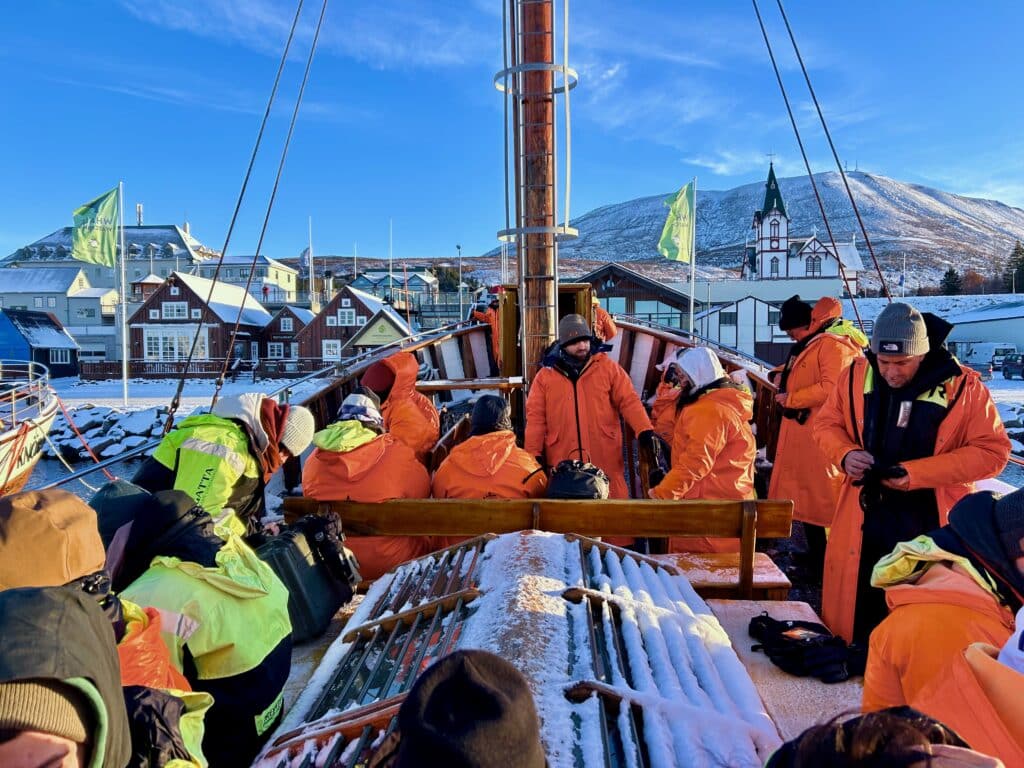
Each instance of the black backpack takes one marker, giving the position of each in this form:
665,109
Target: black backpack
578,479
801,648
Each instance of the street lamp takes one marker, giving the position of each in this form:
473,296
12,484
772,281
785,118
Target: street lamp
462,315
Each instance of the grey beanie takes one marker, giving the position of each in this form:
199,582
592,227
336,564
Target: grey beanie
573,328
900,330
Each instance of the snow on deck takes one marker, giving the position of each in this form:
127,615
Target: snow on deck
640,637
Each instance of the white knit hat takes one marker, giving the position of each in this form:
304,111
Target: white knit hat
700,364
299,427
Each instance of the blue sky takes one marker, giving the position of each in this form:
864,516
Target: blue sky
400,119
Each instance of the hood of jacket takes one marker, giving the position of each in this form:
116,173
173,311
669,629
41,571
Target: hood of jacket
910,559
735,397
405,368
238,570
483,455
60,634
948,584
349,450
246,409
701,365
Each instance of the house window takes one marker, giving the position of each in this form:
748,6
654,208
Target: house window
243,273
774,228
774,266
346,302
294,355
361,320
51,302
154,314
85,312
727,318
197,314
773,317
331,349
275,349
813,266
286,324
37,302
332,320
60,356
175,290
171,344
175,310
346,317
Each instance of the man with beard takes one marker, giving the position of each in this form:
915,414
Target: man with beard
574,406
912,430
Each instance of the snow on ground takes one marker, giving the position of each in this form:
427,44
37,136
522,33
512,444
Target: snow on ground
148,393
943,306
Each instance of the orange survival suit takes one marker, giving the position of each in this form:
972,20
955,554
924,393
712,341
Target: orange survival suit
408,416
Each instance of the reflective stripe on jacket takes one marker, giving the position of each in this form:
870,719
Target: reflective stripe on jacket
971,445
212,457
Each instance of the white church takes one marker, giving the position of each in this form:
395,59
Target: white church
774,255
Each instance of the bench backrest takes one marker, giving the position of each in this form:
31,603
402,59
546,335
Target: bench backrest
746,520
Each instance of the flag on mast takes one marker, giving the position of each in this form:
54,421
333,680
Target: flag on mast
676,241
94,236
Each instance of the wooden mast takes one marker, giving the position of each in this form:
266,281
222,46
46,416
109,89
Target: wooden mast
535,156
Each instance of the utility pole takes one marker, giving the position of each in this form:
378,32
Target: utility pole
462,314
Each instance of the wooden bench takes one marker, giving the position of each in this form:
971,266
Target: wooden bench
745,520
715,574
793,703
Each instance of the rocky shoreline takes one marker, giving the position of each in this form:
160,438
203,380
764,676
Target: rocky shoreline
108,431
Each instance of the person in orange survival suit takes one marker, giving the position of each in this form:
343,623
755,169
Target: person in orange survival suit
489,314
604,326
912,430
488,464
575,402
409,417
825,346
713,446
354,460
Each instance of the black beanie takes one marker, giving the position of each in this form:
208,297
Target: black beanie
795,314
470,709
991,527
490,414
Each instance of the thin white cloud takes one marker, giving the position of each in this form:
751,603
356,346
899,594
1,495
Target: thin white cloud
386,34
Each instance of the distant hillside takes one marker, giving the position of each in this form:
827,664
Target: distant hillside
934,228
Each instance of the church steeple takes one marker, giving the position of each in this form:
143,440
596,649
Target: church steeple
772,194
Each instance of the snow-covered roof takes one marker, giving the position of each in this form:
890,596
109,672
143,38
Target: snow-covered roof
93,293
42,280
849,256
1005,311
376,305
169,240
397,277
305,315
227,299
149,279
240,260
40,329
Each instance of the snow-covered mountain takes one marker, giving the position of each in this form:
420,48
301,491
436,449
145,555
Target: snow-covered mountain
935,229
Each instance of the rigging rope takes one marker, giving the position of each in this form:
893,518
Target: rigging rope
74,428
270,203
835,155
807,164
176,400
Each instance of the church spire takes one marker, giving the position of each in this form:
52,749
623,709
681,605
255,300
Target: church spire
772,194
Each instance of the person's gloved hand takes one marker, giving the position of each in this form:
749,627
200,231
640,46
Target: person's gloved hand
649,440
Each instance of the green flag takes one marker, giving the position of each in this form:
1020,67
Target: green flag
94,236
677,236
